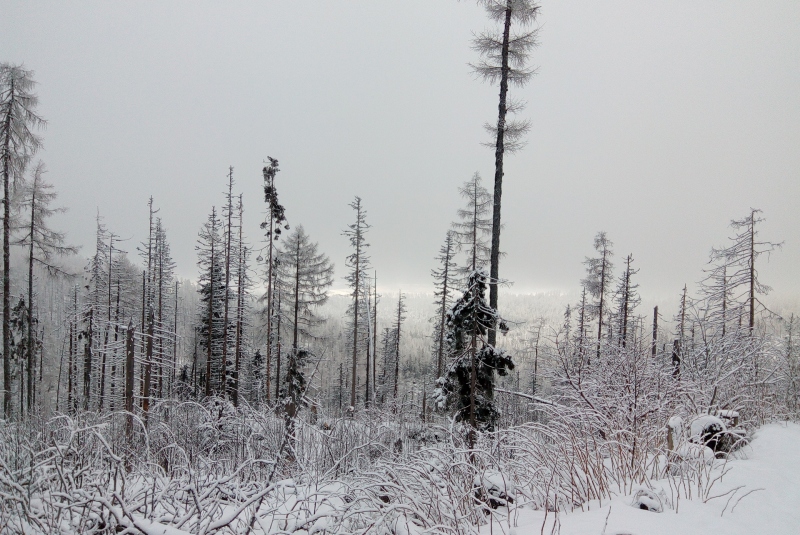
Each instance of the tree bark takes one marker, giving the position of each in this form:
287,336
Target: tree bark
7,261
129,354
498,171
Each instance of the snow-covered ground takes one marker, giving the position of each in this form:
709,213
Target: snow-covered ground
759,493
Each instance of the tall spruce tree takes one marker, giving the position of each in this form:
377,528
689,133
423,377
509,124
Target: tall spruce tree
276,218
443,290
399,318
358,264
504,60
43,246
598,281
243,298
210,252
18,143
308,275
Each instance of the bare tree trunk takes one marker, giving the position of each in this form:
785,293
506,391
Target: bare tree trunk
601,308
71,403
355,329
209,337
397,344
114,357
108,325
142,327
226,298
30,349
625,302
160,261
129,348
752,267
148,365
239,310
655,331
7,263
369,352
174,345
269,310
443,312
375,335
87,362
473,386
278,353
498,170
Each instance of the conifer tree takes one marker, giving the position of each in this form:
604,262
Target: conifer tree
358,264
473,230
443,290
212,278
626,299
43,245
504,59
580,332
243,286
598,280
96,291
469,381
275,219
740,281
308,275
18,143
398,325
228,245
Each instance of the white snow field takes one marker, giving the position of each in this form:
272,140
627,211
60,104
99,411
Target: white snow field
758,493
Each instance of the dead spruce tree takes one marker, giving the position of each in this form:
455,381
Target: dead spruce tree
443,283
598,280
504,59
473,229
738,280
242,325
626,299
358,264
18,120
398,325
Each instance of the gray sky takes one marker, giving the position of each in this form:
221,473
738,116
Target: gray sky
655,121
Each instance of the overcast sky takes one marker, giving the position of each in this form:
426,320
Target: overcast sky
657,122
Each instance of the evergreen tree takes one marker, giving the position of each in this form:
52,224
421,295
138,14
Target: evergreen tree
275,219
212,279
307,274
469,382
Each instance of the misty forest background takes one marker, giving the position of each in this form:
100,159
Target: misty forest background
201,394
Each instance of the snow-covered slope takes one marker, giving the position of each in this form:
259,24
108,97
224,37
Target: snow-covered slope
759,493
